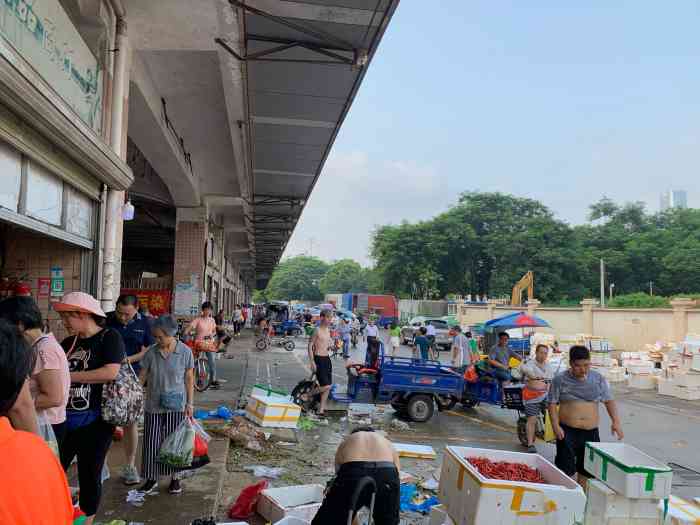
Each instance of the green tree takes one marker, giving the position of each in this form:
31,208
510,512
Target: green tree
344,276
259,296
297,278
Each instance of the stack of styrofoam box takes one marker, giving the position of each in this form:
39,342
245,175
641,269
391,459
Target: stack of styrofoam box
469,498
628,487
688,386
677,511
640,369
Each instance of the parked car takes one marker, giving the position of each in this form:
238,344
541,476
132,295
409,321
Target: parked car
443,340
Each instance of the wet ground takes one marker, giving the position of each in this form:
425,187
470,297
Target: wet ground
665,428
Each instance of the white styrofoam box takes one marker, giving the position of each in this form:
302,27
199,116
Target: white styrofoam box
291,520
439,516
679,512
298,501
666,387
639,367
641,381
616,374
472,499
628,470
690,380
696,363
604,504
689,394
272,412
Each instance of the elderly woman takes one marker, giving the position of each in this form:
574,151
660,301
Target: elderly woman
94,357
167,373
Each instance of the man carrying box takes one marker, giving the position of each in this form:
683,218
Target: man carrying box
577,392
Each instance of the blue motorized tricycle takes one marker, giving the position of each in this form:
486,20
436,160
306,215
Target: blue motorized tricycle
413,387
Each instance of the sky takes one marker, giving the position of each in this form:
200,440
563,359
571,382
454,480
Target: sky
549,100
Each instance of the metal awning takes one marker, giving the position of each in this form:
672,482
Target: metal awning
304,62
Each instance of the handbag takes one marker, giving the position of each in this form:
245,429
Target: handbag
122,399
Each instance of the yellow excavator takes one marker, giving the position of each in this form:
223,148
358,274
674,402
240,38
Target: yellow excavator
526,282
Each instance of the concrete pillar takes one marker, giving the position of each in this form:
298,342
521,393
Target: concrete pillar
532,306
680,317
191,233
490,305
587,306
114,225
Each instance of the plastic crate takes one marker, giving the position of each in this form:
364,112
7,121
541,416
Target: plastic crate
628,470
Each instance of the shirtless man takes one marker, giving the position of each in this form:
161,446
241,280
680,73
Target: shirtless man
319,359
578,392
363,453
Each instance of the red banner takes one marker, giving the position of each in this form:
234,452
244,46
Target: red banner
157,301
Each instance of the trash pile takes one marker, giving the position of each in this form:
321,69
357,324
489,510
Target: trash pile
245,434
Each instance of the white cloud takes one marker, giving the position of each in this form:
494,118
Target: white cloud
355,193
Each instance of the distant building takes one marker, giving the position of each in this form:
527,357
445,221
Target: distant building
674,199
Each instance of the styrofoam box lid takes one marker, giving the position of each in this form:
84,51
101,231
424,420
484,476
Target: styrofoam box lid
551,474
296,495
628,456
274,400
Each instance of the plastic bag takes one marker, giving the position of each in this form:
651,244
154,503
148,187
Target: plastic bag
47,433
244,507
201,447
470,374
177,449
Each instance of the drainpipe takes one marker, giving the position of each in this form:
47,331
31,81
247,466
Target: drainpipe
111,271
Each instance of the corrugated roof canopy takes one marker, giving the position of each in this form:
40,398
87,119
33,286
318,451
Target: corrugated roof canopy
305,61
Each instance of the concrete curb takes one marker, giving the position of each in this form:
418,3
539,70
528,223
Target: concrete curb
220,485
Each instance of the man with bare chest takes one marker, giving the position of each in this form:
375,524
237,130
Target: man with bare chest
319,360
364,453
578,392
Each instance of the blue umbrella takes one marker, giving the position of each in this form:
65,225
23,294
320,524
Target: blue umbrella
515,320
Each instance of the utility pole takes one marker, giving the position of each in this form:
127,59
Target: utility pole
651,287
602,282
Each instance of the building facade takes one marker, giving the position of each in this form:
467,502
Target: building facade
167,152
673,199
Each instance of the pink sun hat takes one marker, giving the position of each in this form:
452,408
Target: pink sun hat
79,302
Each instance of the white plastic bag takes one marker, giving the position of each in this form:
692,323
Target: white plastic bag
177,449
47,433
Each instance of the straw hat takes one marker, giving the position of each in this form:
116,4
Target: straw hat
79,302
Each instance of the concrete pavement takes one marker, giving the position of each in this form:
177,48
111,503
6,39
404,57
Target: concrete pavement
663,427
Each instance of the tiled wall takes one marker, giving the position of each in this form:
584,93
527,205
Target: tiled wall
33,255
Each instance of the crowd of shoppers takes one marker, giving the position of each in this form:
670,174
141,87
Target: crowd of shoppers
52,392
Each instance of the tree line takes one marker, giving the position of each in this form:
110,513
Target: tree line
487,241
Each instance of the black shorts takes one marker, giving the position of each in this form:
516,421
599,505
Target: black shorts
336,504
571,450
324,370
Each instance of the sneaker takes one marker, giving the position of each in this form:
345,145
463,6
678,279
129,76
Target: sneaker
531,449
130,475
175,487
150,487
214,385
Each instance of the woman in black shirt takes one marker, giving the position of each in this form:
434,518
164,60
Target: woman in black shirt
94,357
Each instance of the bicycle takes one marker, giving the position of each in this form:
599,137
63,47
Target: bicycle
266,341
201,367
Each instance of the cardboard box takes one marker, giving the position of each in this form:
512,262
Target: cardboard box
679,512
471,499
272,412
603,505
628,470
298,501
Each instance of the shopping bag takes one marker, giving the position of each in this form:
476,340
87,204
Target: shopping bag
47,433
201,447
244,507
177,449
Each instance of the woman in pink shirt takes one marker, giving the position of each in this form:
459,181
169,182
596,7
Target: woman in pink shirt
49,382
204,329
